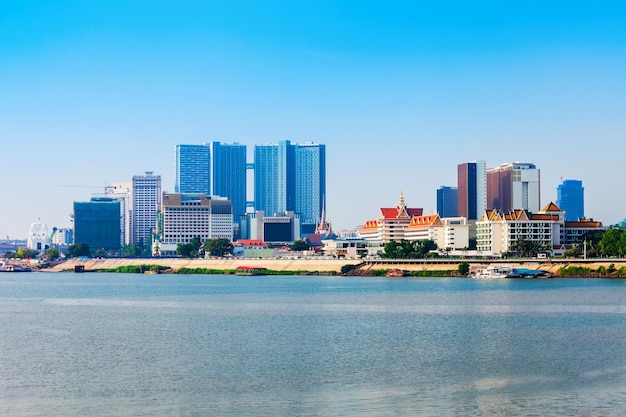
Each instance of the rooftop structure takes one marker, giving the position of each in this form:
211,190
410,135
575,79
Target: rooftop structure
391,223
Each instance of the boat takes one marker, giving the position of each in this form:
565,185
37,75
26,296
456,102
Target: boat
395,272
494,272
7,267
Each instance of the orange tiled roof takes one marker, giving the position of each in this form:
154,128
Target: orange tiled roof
252,243
551,207
370,225
584,223
394,212
425,221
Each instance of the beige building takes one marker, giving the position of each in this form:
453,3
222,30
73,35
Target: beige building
447,232
185,216
497,232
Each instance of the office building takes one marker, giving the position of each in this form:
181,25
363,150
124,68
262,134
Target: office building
290,177
97,224
146,201
185,216
447,201
472,189
513,186
228,175
571,199
277,229
193,169
39,237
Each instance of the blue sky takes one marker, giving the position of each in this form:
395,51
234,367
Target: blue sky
400,92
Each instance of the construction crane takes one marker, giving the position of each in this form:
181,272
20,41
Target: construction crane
107,188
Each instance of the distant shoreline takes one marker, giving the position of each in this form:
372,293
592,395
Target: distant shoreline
334,266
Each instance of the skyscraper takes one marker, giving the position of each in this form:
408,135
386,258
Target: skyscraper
213,169
310,186
146,201
290,177
571,199
447,201
513,186
472,189
193,169
228,175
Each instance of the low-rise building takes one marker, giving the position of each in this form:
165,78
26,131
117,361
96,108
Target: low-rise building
498,232
280,229
185,216
447,233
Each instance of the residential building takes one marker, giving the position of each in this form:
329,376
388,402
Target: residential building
290,177
513,186
471,189
571,199
193,169
352,248
447,201
391,223
97,224
448,232
185,216
146,200
62,236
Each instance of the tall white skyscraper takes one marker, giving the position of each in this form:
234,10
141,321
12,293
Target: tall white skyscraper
146,202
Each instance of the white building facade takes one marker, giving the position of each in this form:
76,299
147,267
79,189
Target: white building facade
146,200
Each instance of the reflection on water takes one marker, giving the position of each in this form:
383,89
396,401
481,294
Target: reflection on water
107,344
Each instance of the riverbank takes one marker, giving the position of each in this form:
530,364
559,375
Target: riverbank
585,268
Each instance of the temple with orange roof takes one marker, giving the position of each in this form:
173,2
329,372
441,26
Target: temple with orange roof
497,232
391,223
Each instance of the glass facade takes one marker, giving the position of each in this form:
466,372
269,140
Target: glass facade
97,224
571,199
447,201
193,169
290,177
228,170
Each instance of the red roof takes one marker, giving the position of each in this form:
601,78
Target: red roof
252,243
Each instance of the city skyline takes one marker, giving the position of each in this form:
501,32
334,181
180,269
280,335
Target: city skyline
400,94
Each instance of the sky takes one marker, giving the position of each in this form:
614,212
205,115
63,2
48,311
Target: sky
400,92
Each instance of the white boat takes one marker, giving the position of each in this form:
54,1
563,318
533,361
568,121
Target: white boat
494,272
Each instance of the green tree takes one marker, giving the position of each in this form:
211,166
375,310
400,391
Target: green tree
53,254
464,268
189,250
132,251
25,253
299,245
218,247
610,242
78,249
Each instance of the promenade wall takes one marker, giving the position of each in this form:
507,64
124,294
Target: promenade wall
328,265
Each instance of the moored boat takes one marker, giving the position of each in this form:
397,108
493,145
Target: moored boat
494,272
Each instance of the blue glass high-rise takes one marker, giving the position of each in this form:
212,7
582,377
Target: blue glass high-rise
290,177
228,174
447,201
571,199
193,169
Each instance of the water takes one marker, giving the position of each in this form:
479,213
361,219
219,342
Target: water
168,345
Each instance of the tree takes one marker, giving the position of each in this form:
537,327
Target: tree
610,242
299,245
52,254
464,268
218,247
132,251
189,250
26,253
78,249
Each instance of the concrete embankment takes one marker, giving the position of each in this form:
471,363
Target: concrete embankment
317,265
327,265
